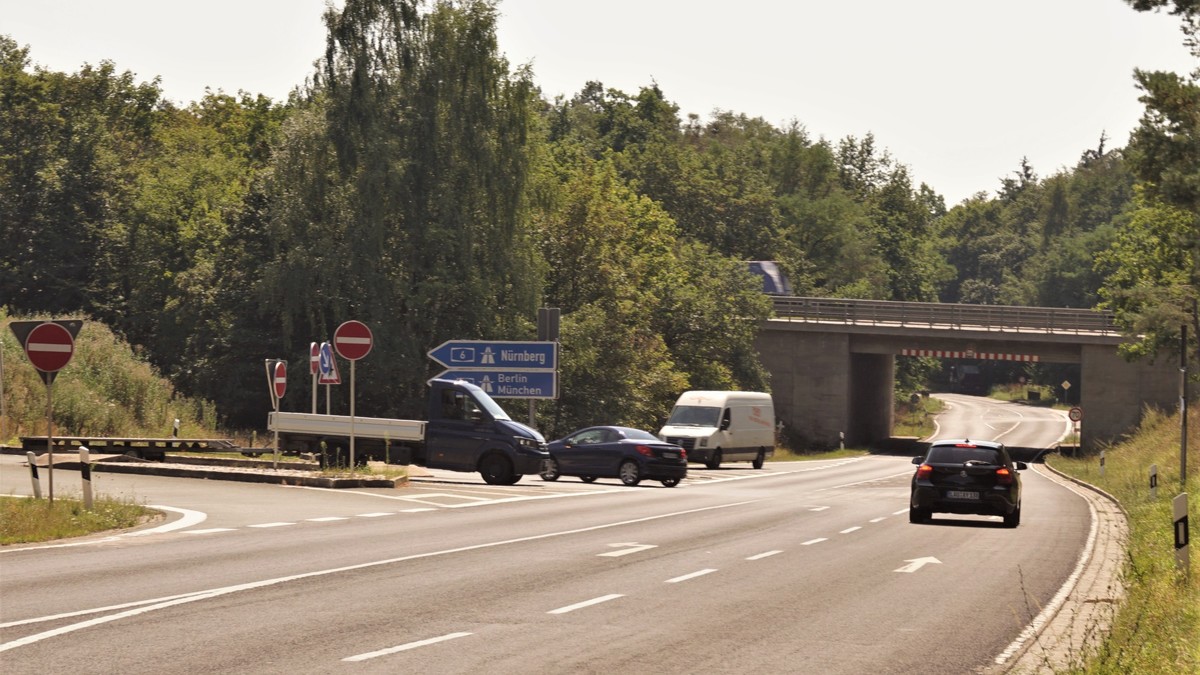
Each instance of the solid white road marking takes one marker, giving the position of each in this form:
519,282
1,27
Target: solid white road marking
271,525
693,575
404,647
810,542
189,519
586,603
375,515
917,563
326,519
416,510
211,530
760,556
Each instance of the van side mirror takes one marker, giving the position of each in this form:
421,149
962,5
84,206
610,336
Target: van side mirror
724,424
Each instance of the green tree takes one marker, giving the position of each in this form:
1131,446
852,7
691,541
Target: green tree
405,206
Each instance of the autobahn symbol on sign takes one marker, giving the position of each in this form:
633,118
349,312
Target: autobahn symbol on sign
508,383
498,355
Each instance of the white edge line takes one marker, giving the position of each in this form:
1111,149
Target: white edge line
1064,591
403,647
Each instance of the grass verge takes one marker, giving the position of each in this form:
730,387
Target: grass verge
916,419
25,521
1157,629
785,455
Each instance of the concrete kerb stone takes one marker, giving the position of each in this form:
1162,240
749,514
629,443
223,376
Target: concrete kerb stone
1074,623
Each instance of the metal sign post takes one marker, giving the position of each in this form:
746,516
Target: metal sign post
49,345
314,366
352,340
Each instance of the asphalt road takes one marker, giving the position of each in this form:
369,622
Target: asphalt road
801,567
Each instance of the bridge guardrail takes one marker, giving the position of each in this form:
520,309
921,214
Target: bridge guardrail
932,314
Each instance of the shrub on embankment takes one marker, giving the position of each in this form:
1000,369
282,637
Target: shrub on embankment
106,390
1157,629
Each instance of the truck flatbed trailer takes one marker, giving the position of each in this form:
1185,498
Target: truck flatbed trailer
145,448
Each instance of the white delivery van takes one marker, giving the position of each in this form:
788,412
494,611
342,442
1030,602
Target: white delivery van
723,426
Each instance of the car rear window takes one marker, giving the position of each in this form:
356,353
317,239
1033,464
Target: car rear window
949,454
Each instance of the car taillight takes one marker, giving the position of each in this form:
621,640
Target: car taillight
924,470
645,450
682,453
1003,476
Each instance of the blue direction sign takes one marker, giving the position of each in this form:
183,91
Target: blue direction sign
509,383
498,355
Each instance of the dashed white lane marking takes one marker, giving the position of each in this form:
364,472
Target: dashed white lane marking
405,647
376,515
848,530
896,513
810,542
211,530
145,606
767,554
326,519
819,508
271,525
586,603
693,575
876,520
416,510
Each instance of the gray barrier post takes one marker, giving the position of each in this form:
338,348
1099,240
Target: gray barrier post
37,484
85,470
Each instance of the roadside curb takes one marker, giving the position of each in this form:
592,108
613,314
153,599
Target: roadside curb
1074,629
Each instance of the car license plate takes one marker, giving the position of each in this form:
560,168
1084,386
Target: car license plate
670,455
961,494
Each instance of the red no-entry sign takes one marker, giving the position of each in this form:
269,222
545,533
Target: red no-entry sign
280,380
49,347
352,340
314,358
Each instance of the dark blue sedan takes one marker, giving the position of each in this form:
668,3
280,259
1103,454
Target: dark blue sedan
615,452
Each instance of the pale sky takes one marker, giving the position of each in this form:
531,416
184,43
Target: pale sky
958,90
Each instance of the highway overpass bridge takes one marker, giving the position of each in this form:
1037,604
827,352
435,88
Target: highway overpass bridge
832,362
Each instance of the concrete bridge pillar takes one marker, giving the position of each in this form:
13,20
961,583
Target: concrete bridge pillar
810,383
1115,393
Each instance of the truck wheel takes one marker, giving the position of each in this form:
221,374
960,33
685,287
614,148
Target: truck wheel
714,461
496,469
550,469
758,461
629,473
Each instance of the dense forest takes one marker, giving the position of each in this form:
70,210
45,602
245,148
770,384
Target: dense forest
421,184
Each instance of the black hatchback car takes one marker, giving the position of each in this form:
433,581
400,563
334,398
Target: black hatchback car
615,452
965,476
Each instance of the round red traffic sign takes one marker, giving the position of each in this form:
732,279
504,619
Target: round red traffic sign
314,358
49,347
1075,414
280,379
352,340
